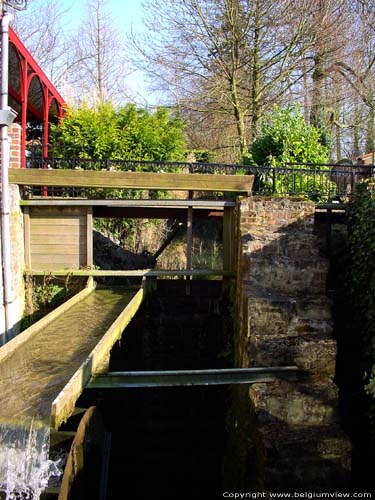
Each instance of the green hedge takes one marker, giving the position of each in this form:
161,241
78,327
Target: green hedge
361,279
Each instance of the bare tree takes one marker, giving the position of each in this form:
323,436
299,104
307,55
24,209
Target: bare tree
41,28
357,67
229,59
98,66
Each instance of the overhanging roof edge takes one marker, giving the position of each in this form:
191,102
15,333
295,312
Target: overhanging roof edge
20,47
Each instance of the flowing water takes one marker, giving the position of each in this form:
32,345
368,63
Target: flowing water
31,378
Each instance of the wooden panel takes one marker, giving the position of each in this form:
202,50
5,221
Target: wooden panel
63,210
57,220
58,237
63,231
131,180
47,259
50,239
58,248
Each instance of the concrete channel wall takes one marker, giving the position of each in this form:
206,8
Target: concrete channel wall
16,298
285,319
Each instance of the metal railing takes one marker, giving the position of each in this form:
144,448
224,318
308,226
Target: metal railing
318,182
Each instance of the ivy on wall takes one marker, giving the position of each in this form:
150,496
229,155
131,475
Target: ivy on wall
361,278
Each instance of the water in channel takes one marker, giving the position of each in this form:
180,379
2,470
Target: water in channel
31,378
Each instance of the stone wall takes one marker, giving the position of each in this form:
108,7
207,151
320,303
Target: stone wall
285,319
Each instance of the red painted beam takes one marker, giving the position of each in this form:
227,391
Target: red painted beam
13,38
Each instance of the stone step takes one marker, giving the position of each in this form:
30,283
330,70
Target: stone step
285,276
276,213
286,403
275,314
324,453
286,244
315,354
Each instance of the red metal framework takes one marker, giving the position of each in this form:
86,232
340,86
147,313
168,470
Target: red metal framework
31,93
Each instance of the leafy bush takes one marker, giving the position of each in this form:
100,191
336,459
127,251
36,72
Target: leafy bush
124,134
286,138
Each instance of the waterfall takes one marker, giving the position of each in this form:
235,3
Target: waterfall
25,467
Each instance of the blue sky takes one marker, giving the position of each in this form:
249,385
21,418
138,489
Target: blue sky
128,16
126,13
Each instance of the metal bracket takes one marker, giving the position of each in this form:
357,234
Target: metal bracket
7,117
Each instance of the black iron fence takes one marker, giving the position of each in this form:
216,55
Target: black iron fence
318,182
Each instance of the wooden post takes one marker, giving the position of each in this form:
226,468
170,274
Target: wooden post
27,236
150,284
189,247
89,239
229,239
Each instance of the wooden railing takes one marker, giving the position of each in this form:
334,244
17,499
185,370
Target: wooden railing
130,180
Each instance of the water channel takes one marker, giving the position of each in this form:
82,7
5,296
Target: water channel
168,442
30,379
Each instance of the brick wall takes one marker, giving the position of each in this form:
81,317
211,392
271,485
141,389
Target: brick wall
285,319
15,145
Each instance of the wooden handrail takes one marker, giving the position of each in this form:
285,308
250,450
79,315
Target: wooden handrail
130,180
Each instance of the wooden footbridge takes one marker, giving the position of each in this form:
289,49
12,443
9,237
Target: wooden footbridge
58,241
58,231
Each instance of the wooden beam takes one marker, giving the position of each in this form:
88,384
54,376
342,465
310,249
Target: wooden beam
134,273
189,239
27,237
131,203
96,363
229,239
89,239
153,213
122,380
130,180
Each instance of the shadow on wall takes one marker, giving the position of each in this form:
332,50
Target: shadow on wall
285,319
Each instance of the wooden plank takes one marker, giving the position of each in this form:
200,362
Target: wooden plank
57,266
189,239
58,248
27,237
50,239
57,230
59,220
229,239
131,203
89,239
13,344
96,363
45,258
63,210
130,180
134,273
173,378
